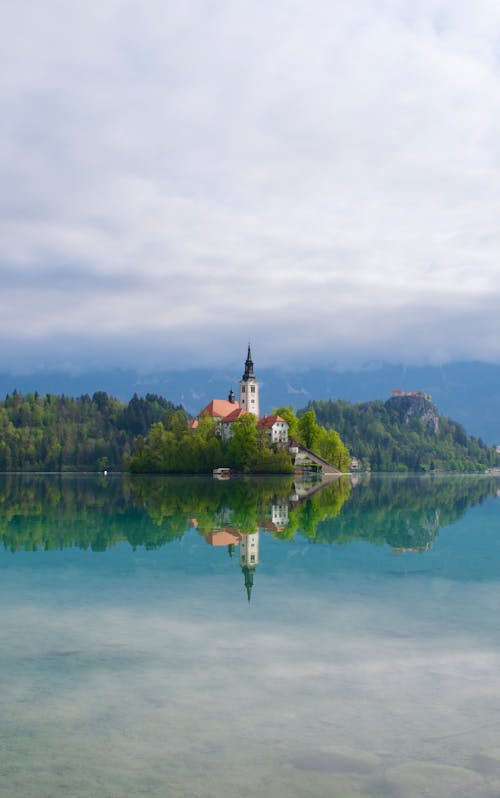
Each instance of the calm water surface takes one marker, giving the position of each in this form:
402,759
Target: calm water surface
186,637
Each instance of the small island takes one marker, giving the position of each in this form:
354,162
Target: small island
230,434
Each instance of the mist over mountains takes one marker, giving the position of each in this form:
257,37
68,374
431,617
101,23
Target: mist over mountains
467,392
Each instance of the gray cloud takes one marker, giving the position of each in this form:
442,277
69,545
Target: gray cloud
323,180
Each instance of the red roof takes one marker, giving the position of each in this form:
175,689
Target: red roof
269,421
223,537
235,415
219,408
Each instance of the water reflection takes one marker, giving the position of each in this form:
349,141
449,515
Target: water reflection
144,672
45,512
55,512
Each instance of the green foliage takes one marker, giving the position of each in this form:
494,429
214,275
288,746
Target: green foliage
406,512
242,449
325,442
171,448
332,448
385,440
62,433
309,431
39,512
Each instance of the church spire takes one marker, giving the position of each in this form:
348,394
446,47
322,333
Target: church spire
248,366
248,572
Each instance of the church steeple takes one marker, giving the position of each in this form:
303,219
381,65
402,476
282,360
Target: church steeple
248,572
249,387
248,373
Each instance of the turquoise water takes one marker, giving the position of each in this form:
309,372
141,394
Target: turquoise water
357,655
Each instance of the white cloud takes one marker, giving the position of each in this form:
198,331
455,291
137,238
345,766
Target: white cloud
327,172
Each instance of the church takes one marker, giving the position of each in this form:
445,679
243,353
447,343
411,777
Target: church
227,411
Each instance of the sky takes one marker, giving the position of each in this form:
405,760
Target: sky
177,178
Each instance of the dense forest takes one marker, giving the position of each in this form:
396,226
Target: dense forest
384,436
62,433
147,435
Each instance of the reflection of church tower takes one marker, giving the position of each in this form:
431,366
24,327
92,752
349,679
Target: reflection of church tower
249,558
249,387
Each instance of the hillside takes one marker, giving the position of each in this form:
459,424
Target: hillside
405,433
60,433
468,392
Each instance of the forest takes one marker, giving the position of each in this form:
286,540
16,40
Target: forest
385,439
63,433
146,435
150,435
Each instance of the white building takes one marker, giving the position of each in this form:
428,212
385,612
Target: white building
276,428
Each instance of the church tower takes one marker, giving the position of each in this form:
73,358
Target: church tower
249,559
249,387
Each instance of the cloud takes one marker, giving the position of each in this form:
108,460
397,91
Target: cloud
323,180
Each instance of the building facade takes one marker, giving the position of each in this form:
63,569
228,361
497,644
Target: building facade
276,429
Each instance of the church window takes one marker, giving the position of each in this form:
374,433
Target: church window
242,389
252,388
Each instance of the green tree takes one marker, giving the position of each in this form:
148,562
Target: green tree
332,449
243,447
309,431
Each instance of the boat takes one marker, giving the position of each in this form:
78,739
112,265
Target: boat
221,473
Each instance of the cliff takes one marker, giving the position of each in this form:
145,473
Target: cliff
408,408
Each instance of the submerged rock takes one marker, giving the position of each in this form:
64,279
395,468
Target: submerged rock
487,763
418,779
337,760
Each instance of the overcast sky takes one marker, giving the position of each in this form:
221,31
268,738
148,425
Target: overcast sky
179,176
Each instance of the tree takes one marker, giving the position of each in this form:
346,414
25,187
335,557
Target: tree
333,450
243,446
309,431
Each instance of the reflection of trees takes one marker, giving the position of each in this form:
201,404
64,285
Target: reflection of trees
406,513
323,504
55,512
209,500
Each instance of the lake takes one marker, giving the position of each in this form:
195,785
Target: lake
199,638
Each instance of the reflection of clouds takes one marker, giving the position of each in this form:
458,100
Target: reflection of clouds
165,681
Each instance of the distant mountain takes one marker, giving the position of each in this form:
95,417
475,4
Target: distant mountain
467,392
